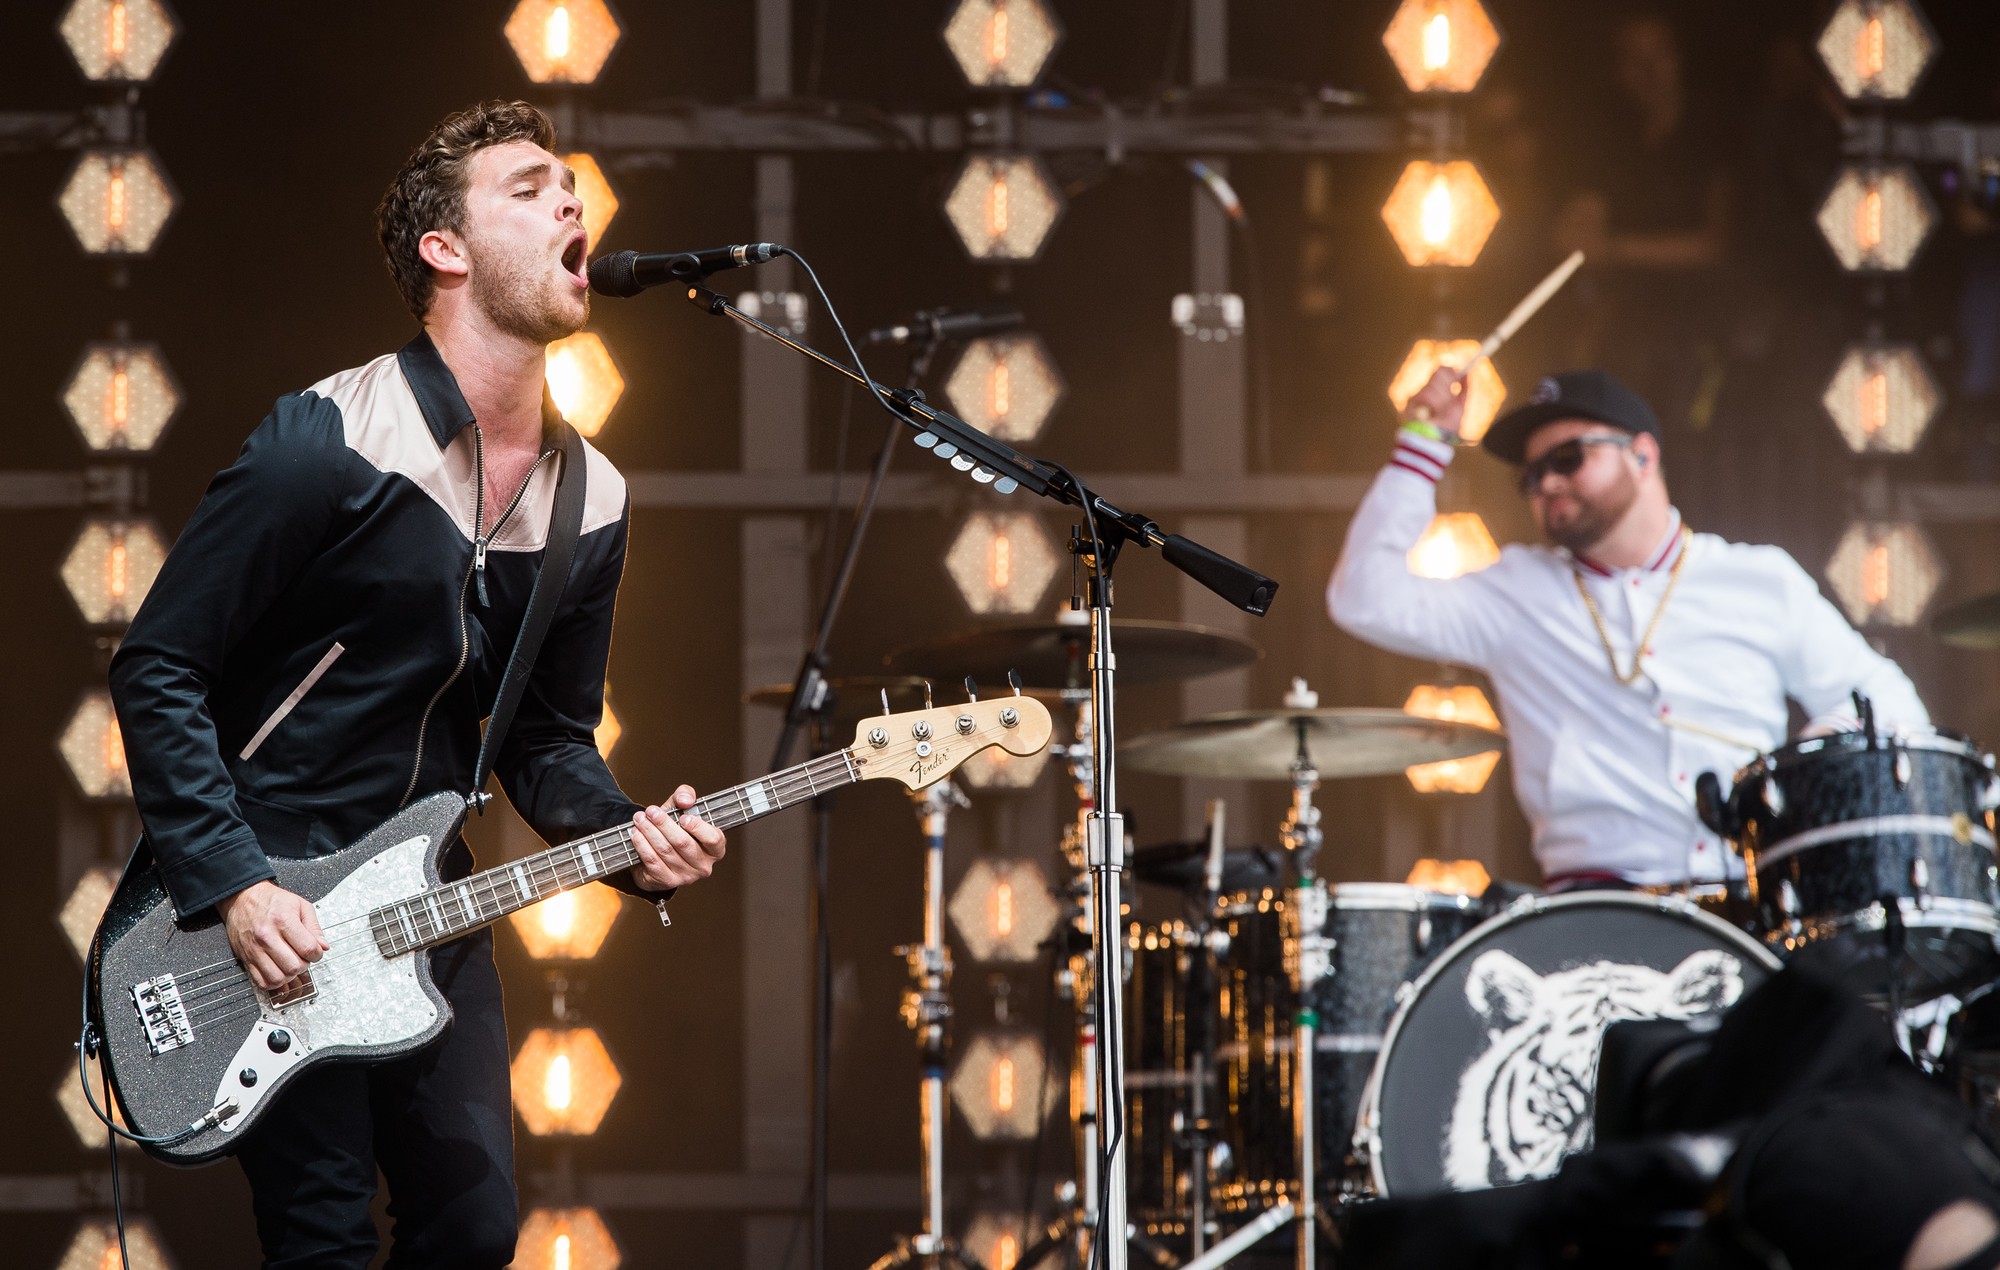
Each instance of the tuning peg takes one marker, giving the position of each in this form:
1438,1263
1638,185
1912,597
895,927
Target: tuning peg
885,702
927,694
971,689
1014,681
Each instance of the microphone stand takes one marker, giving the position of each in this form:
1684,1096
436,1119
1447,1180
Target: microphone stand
812,701
1107,530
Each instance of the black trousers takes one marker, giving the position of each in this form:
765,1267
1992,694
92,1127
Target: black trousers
438,1124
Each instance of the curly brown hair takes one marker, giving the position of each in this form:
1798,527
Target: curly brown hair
429,192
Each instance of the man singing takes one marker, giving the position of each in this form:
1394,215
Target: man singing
1630,658
322,644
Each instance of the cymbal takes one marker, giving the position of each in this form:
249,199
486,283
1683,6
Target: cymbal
1261,744
1181,865
1973,624
855,696
1052,655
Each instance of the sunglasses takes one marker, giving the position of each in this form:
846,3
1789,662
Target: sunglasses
1565,459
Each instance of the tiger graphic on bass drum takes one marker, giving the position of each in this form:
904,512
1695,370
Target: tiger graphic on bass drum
1525,1102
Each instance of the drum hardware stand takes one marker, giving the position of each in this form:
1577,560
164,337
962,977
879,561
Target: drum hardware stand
927,1010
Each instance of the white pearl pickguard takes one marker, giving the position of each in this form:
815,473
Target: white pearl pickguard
360,997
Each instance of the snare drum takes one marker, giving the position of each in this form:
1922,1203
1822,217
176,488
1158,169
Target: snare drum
1858,843
1488,1075
1383,936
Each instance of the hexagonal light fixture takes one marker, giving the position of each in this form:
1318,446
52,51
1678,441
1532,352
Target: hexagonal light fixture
568,926
1877,217
1882,399
83,1122
85,907
564,1081
995,771
1455,544
1002,1086
1484,391
998,1239
111,566
1877,50
116,202
1441,46
1003,910
1449,877
609,728
94,1246
562,41
93,749
565,1239
1459,703
1002,562
1884,573
1002,207
1001,43
583,380
118,41
1006,385
121,396
1441,213
593,190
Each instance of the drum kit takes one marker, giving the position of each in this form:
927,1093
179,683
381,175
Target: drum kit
1291,1046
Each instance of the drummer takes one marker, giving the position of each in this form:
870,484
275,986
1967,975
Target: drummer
1630,657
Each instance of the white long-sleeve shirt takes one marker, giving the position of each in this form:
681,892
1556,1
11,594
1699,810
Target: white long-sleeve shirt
1604,771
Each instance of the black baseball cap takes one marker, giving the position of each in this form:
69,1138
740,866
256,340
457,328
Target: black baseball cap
1574,394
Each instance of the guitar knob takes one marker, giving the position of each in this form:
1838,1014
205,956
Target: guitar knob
247,1077
279,1040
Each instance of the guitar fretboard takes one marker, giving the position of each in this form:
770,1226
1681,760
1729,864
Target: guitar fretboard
486,897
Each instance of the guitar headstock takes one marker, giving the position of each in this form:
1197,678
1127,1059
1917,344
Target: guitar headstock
921,747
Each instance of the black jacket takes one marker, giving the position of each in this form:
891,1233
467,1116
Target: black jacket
320,648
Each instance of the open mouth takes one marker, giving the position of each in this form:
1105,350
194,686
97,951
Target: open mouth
573,255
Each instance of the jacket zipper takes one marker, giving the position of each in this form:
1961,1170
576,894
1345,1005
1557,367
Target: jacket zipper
477,568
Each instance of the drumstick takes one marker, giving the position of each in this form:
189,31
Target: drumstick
1530,304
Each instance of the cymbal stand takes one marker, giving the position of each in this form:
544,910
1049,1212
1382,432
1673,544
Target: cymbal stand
927,1010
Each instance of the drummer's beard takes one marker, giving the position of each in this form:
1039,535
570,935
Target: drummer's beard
1580,520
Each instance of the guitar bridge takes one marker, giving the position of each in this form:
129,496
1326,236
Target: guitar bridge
161,1015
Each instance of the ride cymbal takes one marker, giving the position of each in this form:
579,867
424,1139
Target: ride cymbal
1262,744
1055,655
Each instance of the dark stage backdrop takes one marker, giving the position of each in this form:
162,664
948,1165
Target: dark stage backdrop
280,125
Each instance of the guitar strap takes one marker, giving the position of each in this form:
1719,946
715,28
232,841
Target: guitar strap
565,526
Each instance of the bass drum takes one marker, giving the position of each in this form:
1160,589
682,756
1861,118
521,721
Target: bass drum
1488,1075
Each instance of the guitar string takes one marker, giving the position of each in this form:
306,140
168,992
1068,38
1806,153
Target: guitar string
787,783
788,787
559,865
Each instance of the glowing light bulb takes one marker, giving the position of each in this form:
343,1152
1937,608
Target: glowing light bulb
1875,403
114,200
114,749
996,208
1868,220
556,34
1001,385
116,572
1006,1253
119,405
996,37
1875,575
1437,42
559,915
559,1254
1872,53
1003,1086
1003,910
1003,562
118,31
1435,216
556,1085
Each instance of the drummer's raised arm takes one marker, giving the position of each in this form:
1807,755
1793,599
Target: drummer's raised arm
1374,596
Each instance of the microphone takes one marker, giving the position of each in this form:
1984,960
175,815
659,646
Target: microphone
935,327
627,273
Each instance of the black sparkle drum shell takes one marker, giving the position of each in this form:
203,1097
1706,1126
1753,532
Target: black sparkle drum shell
1839,830
1488,1075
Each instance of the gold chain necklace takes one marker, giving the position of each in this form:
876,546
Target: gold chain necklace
1646,640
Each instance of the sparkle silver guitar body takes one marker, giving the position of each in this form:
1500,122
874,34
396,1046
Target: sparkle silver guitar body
189,1040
